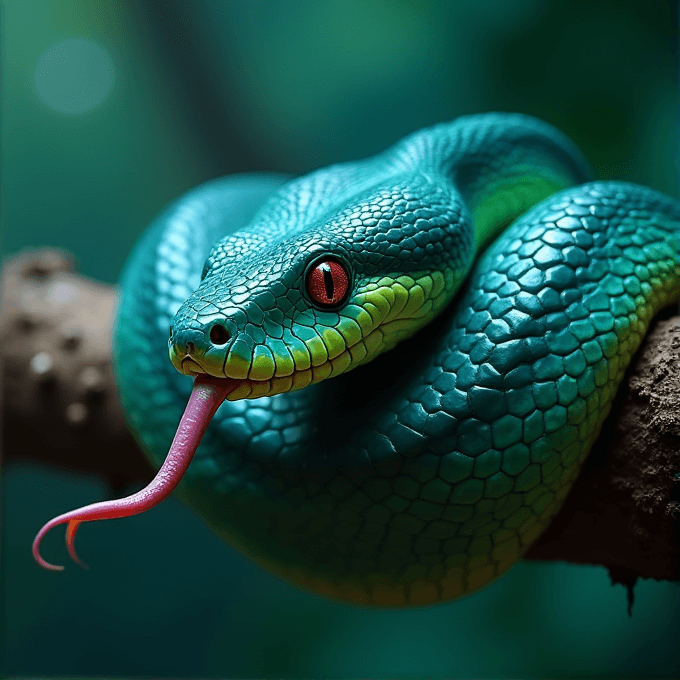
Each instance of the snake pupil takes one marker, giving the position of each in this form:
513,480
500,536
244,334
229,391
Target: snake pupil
327,280
327,283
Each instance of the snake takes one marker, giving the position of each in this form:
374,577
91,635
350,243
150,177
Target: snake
490,293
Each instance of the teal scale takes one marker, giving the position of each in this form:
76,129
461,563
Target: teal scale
407,440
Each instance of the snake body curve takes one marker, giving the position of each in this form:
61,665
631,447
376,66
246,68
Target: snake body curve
427,473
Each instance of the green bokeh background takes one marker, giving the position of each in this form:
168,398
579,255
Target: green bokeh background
194,90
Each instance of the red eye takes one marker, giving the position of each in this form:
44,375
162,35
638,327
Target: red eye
327,283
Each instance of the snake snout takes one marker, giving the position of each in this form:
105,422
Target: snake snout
199,349
186,347
185,341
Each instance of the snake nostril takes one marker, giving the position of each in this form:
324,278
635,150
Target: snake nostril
190,347
219,335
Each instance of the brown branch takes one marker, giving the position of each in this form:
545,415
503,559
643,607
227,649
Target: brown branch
60,408
59,401
623,511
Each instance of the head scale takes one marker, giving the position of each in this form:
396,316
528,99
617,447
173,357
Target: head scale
288,302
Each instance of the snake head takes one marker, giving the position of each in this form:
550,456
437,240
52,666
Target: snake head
280,309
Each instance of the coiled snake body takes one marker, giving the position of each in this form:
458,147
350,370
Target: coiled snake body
428,472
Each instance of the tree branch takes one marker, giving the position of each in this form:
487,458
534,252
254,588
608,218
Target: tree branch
60,408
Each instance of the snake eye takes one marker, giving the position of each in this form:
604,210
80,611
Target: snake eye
327,283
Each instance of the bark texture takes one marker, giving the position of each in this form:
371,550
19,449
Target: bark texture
59,400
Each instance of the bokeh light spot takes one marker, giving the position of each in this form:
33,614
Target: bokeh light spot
74,76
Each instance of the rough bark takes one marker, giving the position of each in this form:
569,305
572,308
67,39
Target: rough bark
59,401
60,408
624,510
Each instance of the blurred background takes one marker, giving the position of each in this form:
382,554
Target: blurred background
110,111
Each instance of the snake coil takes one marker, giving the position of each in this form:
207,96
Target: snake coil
430,471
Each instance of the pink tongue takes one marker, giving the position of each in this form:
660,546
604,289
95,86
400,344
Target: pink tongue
206,396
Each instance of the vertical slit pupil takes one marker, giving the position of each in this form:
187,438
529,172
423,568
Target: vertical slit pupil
328,282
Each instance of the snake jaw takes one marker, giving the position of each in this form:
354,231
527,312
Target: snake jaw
192,367
207,395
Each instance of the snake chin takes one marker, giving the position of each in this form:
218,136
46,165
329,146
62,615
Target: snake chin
192,367
251,388
245,388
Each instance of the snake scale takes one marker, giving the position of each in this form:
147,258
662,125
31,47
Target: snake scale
427,473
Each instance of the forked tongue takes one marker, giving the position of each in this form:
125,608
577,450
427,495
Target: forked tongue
206,396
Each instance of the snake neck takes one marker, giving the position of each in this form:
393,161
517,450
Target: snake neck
501,165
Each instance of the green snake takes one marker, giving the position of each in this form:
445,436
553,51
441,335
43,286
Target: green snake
429,472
